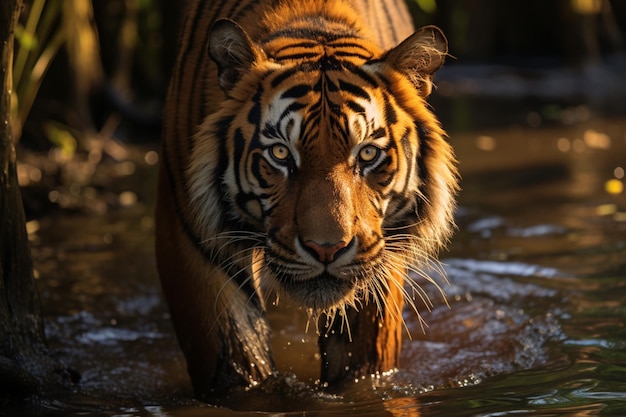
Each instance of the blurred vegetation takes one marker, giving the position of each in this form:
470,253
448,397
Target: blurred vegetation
82,66
48,27
88,75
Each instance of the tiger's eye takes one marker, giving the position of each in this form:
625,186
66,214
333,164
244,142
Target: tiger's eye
368,153
280,152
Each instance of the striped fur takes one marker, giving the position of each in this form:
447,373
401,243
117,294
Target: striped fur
299,157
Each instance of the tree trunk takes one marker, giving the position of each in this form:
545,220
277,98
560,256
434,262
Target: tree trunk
25,367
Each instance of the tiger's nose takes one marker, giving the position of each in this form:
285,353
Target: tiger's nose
325,252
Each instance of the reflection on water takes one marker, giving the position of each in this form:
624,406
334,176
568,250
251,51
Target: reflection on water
534,325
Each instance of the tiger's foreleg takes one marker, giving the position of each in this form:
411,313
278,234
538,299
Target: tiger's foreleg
221,328
372,342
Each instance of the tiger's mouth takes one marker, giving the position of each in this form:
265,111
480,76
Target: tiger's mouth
319,293
323,284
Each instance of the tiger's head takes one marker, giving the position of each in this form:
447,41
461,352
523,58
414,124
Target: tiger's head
325,157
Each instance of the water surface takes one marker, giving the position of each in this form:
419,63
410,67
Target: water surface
533,324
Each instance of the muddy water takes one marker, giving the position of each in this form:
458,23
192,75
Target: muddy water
533,324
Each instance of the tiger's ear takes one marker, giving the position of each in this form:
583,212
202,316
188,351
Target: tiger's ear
419,56
233,51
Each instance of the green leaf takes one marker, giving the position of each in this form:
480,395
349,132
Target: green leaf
62,139
428,6
26,39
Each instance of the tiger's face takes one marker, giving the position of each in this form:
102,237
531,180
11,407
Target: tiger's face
330,169
334,163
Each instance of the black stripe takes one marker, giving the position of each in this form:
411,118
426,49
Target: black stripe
297,91
422,153
347,44
364,75
297,57
355,107
354,89
257,158
293,107
283,76
405,141
254,115
404,218
381,132
303,44
307,34
346,54
384,183
391,117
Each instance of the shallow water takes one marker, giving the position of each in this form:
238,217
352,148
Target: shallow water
534,323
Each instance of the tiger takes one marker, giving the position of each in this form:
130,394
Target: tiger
299,157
